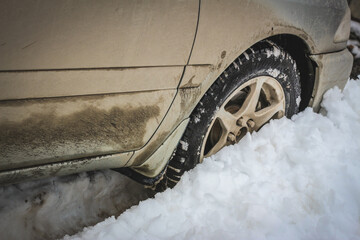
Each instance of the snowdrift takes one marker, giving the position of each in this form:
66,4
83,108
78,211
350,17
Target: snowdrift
294,179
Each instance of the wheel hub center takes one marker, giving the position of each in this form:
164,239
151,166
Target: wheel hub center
243,125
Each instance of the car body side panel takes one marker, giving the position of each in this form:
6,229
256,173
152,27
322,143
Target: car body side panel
159,159
51,34
185,100
334,69
220,39
39,131
88,78
64,168
45,84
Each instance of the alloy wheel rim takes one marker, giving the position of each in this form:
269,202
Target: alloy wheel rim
247,109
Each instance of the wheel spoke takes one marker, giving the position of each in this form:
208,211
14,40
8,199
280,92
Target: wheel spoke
251,100
227,119
219,145
264,115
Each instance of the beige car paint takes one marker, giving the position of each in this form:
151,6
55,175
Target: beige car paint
35,132
159,159
77,51
51,34
45,84
235,32
183,103
333,70
95,49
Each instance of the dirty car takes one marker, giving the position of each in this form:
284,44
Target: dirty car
151,88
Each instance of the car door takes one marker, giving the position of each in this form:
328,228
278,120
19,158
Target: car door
87,78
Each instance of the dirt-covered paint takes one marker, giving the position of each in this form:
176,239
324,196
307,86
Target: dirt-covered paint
150,148
184,102
42,131
157,161
90,128
75,82
65,168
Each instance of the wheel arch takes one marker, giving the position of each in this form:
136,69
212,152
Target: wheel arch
196,81
296,45
300,51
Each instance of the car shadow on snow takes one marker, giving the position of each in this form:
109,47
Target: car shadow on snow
52,208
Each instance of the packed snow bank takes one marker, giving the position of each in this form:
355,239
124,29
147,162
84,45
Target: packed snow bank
294,179
51,208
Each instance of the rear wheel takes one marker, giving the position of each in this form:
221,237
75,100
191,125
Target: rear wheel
262,84
247,109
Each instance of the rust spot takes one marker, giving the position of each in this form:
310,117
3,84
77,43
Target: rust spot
223,54
43,134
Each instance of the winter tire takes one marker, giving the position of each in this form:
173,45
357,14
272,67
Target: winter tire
262,84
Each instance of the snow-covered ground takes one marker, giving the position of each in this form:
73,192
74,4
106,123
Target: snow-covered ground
51,208
294,179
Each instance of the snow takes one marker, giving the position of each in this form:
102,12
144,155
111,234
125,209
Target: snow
236,66
273,72
298,100
51,208
355,48
275,52
184,145
197,119
294,179
246,56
